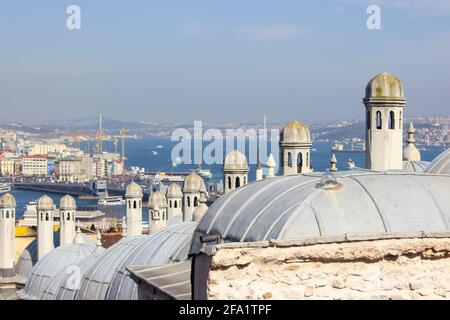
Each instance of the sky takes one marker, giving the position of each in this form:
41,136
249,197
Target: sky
218,61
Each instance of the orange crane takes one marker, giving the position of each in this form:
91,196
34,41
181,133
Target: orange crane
122,132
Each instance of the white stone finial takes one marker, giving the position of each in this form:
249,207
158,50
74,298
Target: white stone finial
78,236
271,164
410,152
124,227
333,162
99,239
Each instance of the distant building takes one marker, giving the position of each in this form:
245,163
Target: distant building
34,166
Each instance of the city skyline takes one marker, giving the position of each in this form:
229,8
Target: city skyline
157,62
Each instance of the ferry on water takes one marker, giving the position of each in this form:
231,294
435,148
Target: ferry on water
4,187
112,201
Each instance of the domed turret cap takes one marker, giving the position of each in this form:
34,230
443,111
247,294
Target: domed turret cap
133,190
295,132
385,86
45,203
193,183
67,203
235,160
174,191
157,199
7,201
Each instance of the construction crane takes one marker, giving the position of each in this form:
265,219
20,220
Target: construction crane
122,132
100,137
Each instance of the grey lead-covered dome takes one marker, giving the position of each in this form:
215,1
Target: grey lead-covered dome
440,165
108,277
51,264
133,190
365,203
67,203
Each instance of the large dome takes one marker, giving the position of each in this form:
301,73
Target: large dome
235,161
7,201
297,207
67,203
51,264
193,183
108,278
174,191
440,165
157,198
295,132
133,190
385,86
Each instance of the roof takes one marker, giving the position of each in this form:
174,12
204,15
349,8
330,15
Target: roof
7,201
45,203
174,191
133,190
235,161
295,132
169,281
292,207
157,199
193,183
385,85
440,165
57,260
67,203
415,166
108,278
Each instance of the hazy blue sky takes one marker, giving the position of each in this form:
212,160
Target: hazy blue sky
218,60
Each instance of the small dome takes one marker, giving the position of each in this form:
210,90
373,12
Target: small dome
235,160
7,201
174,191
133,191
45,203
271,161
193,183
385,85
295,132
157,199
67,203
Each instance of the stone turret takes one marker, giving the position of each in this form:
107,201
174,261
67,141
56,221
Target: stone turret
7,235
133,198
295,148
45,227
67,207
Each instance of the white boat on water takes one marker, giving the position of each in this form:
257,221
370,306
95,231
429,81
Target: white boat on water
204,173
4,187
155,153
159,146
112,201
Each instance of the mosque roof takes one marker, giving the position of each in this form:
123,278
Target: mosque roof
303,206
108,278
57,260
440,165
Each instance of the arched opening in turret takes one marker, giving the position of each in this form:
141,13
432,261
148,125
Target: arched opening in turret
7,214
46,217
307,159
379,120
42,217
175,204
238,182
68,215
189,201
245,180
289,159
400,120
391,120
129,204
195,202
134,204
229,182
368,120
170,203
299,162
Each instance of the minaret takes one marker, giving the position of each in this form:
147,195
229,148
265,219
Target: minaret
67,207
191,193
384,101
133,198
271,164
7,235
44,225
411,153
295,148
174,197
333,162
235,171
157,221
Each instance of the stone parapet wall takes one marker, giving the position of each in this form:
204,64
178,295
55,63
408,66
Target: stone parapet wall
377,269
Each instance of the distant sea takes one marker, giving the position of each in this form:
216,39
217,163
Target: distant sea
140,153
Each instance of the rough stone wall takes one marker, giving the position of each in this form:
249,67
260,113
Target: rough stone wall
380,269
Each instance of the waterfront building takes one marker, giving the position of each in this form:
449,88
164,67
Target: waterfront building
44,149
10,165
384,101
74,169
34,166
235,170
295,148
